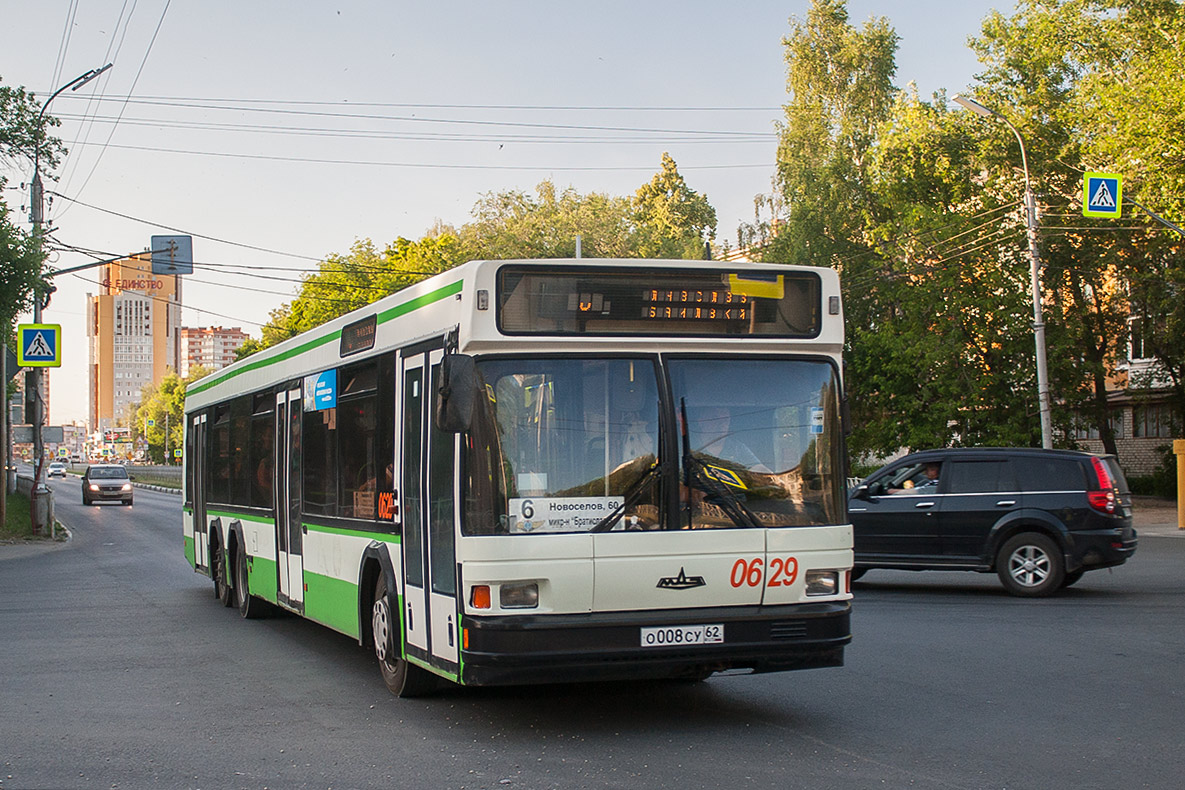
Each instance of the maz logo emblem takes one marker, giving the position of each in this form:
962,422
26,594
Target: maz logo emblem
681,582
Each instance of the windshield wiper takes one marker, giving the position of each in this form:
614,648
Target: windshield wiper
631,496
732,505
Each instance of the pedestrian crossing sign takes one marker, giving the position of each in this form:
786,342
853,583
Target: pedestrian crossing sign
1102,195
39,345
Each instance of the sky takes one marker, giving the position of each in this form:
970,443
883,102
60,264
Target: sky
277,133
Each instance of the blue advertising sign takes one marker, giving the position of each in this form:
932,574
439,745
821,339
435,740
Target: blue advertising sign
320,391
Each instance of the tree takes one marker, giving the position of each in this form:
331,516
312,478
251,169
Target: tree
884,186
21,134
347,282
840,90
1074,70
513,224
20,271
673,220
164,406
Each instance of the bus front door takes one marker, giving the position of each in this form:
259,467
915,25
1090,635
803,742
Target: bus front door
429,481
287,488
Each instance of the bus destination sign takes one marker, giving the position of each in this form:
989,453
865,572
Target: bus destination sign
358,336
658,302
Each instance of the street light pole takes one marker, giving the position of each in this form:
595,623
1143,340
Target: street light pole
36,204
1034,272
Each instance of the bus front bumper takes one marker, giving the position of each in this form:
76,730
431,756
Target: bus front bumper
505,650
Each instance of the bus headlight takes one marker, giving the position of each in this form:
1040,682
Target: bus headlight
522,595
822,582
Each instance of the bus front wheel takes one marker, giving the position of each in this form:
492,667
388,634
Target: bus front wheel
402,678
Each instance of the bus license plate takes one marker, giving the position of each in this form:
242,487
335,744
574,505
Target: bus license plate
668,635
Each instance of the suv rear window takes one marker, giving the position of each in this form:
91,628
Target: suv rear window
1049,474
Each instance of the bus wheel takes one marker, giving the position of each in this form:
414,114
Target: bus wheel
218,571
402,678
250,607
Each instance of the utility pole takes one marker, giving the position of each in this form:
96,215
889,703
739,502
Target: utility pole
1034,271
40,299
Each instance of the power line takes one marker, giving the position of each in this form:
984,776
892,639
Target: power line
441,106
313,131
413,119
432,166
143,63
186,232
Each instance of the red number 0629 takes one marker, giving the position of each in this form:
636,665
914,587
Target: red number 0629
782,572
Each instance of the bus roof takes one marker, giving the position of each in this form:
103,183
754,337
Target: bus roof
447,300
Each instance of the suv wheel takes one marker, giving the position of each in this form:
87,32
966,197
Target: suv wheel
1030,565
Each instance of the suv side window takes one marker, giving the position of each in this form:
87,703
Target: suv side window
978,477
1050,474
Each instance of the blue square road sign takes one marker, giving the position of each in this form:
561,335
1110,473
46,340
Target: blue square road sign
1102,195
39,345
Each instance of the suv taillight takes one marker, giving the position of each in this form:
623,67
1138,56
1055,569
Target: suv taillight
1104,499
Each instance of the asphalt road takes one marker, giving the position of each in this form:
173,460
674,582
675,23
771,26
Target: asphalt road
121,670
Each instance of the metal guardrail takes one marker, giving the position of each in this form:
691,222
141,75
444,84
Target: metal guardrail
169,476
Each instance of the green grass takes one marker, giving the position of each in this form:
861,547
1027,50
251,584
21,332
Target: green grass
17,525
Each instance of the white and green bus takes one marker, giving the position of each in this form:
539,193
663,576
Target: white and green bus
538,471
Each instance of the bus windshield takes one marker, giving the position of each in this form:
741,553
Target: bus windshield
557,443
759,442
573,445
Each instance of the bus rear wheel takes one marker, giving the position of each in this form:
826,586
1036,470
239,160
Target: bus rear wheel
249,606
218,571
402,678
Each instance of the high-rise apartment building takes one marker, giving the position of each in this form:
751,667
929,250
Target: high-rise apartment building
133,336
213,347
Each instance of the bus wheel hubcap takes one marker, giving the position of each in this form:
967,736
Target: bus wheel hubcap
380,619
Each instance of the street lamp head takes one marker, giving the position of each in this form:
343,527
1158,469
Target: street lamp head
90,75
972,105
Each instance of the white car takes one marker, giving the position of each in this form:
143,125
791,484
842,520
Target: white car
56,469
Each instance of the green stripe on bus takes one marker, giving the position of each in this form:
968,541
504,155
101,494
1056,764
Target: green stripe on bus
415,304
241,517
386,537
434,670
190,554
402,309
331,602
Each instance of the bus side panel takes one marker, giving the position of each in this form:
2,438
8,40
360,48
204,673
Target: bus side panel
795,550
332,561
259,537
676,570
187,536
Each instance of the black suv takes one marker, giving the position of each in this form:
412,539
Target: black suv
1038,518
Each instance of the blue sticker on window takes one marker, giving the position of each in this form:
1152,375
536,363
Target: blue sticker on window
320,391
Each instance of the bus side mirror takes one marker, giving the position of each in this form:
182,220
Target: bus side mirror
454,399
